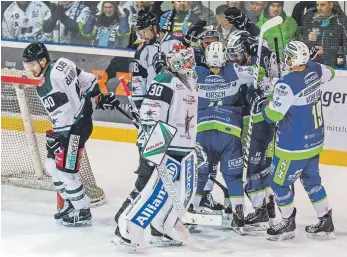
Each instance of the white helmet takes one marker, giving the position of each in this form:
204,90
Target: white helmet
215,55
297,52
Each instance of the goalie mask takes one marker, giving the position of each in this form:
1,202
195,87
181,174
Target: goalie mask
215,55
35,58
181,60
296,53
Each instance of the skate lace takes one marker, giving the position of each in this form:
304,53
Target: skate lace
251,216
319,224
281,225
75,214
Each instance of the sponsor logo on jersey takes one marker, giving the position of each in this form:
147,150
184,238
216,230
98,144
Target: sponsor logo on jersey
152,104
281,92
177,34
186,126
158,197
214,79
312,76
42,81
314,97
72,152
190,99
255,159
312,88
150,113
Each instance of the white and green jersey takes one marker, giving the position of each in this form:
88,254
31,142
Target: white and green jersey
170,100
26,24
60,91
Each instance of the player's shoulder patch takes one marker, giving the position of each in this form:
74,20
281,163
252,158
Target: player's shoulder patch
164,77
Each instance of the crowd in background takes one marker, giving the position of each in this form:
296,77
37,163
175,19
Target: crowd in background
111,24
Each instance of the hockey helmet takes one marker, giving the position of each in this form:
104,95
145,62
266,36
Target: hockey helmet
215,55
35,52
209,35
181,59
145,20
32,58
296,53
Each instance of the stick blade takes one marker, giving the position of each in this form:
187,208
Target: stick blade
271,23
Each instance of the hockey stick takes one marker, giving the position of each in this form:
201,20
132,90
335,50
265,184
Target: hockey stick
277,57
136,122
266,26
224,189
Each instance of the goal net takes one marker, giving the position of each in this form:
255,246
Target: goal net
24,122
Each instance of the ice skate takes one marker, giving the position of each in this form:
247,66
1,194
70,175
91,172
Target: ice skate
122,243
78,218
208,205
271,210
160,240
323,230
284,230
237,218
257,220
68,207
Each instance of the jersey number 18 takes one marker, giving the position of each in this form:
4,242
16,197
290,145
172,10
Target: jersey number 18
317,114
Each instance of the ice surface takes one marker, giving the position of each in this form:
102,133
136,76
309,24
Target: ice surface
28,227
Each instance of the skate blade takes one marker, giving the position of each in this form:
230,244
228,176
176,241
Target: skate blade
85,223
321,236
238,230
164,243
123,246
281,237
260,226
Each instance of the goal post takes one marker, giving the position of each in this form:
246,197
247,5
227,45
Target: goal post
24,122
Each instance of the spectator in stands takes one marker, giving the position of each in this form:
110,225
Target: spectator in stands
23,20
224,27
300,9
285,32
178,19
68,22
256,7
327,28
203,12
112,28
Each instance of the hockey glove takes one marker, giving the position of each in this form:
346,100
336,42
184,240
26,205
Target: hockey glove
251,45
194,31
52,142
200,154
107,102
159,61
256,97
237,18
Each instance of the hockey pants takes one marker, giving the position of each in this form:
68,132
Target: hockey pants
285,172
226,150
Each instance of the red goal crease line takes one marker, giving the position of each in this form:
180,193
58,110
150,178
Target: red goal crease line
17,80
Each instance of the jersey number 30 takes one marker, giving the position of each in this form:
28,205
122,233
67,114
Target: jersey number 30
155,90
317,114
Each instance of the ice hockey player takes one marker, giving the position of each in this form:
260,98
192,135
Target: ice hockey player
65,92
242,49
297,108
220,125
171,98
